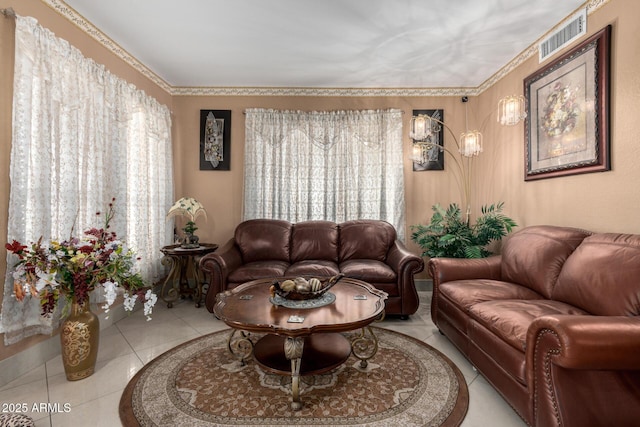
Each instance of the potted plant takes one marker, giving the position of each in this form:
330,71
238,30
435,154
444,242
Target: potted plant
192,209
68,270
449,235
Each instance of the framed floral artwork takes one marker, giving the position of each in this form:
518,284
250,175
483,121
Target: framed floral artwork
567,128
215,140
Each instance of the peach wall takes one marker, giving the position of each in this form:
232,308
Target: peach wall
221,191
604,201
6,95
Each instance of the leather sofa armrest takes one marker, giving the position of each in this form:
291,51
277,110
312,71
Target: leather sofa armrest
444,270
406,264
449,269
399,258
578,360
218,265
588,342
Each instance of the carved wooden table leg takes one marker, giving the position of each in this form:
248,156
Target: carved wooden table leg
169,292
293,348
199,278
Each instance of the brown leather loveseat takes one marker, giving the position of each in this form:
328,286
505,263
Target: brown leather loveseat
552,323
363,249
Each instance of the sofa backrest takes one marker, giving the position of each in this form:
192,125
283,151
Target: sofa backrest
314,240
263,239
534,256
366,239
603,276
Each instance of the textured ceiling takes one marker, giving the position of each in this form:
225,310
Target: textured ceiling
325,43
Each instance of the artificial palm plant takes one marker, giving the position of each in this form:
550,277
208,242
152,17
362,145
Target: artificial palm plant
449,235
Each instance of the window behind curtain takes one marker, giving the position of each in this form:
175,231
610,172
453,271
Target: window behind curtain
81,136
336,166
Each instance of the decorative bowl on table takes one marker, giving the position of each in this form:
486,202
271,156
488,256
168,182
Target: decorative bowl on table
301,288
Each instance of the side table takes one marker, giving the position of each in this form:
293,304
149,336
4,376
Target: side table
184,264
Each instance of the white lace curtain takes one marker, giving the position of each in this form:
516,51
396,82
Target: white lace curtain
81,136
337,166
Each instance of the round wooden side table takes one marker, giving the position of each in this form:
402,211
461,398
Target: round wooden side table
184,266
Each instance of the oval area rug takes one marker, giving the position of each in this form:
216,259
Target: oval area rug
199,383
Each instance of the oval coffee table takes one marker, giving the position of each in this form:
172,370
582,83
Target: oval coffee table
292,331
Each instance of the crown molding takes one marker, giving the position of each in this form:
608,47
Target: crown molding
79,21
92,31
308,91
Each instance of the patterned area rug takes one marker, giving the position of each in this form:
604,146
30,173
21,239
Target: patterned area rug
199,383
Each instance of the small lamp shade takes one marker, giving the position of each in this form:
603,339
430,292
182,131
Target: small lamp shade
470,143
511,110
423,127
189,207
416,153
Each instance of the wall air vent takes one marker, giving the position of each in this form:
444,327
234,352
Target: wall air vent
573,28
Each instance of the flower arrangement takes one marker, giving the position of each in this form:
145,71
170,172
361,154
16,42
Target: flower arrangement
74,267
561,110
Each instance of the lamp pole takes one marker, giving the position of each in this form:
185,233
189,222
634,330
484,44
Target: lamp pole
463,164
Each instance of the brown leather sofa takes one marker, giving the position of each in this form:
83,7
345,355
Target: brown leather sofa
552,323
364,249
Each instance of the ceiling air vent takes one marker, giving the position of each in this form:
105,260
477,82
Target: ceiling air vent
575,27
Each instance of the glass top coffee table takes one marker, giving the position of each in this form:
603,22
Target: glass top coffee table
301,339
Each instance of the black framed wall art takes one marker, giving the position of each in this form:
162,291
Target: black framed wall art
215,140
427,154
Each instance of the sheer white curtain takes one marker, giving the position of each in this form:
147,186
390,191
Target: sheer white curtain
337,166
81,136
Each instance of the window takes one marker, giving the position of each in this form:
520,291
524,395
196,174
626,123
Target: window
81,136
336,166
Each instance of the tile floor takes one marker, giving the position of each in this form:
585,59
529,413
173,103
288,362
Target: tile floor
131,342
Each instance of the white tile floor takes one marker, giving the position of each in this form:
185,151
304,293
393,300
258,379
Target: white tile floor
131,342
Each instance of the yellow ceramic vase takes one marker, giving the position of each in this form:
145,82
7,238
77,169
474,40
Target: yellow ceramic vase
79,339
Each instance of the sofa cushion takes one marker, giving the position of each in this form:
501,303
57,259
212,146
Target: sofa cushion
510,319
365,239
319,268
258,270
263,239
314,240
602,276
458,296
465,293
368,270
534,256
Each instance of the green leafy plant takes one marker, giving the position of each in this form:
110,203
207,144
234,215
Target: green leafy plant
449,235
190,227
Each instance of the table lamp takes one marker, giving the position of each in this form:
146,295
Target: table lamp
192,209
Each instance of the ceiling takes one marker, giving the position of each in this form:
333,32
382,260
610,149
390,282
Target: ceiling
325,43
